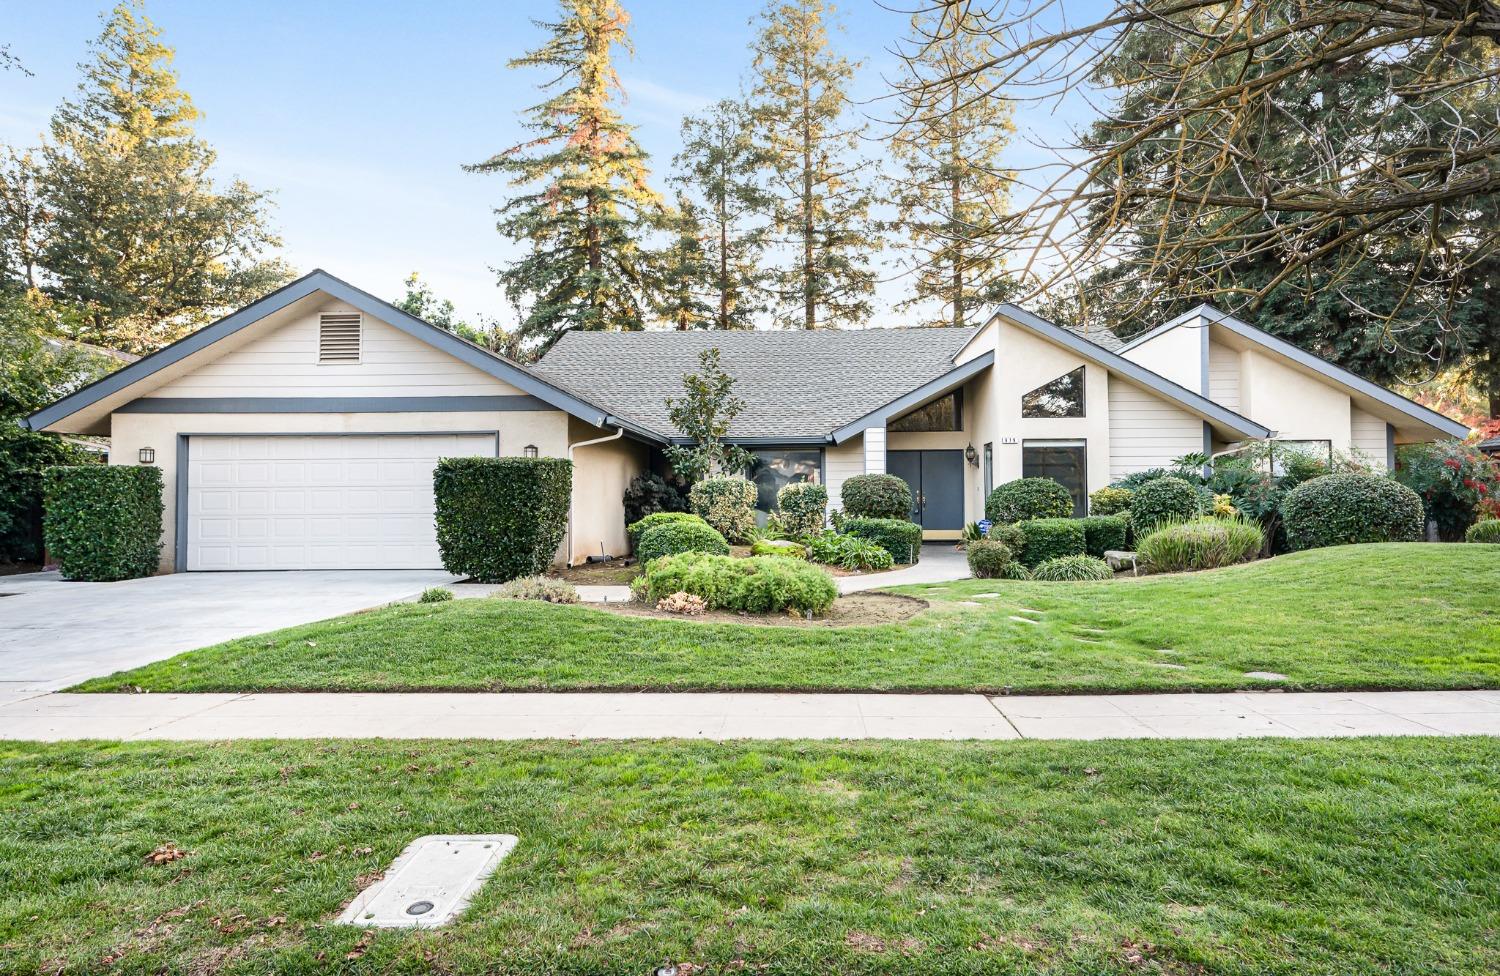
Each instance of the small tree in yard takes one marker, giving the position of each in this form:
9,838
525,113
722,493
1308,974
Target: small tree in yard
704,415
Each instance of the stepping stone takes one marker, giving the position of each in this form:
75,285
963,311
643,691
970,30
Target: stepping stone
1165,650
985,596
1027,610
1265,675
1164,664
966,603
1025,620
1083,640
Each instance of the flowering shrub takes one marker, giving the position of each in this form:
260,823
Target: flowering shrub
1455,481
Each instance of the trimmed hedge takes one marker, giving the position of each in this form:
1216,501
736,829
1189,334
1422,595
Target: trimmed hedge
1485,531
1102,533
1051,538
1110,501
500,518
727,504
876,496
1073,569
1160,500
102,522
1204,543
759,584
1028,498
988,559
638,528
1345,509
900,538
803,506
670,538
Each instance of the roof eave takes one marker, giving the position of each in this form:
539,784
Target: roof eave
938,384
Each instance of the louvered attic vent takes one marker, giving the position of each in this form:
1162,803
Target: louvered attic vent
338,337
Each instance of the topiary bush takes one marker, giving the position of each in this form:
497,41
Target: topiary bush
102,522
500,518
1159,500
759,584
988,559
670,538
636,529
727,504
1073,569
876,496
803,506
1345,509
1203,543
1028,498
1051,538
1485,531
778,547
1101,533
1110,501
900,538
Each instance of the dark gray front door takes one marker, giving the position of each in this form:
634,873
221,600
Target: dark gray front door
936,479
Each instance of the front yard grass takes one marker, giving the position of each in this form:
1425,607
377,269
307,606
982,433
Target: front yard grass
1387,616
1229,858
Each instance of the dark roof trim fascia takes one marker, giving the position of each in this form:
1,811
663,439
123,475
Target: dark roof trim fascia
931,388
1134,371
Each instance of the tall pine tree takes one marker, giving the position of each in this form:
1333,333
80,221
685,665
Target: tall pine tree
586,203
138,235
682,295
720,165
818,182
951,189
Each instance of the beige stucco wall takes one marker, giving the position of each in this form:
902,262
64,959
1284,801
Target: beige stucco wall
1292,403
1176,354
840,462
601,472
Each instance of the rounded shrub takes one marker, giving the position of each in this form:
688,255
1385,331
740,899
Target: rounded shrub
1102,533
1028,498
900,538
1072,569
803,506
1345,509
876,496
759,584
727,504
1485,531
638,528
1110,501
671,538
1203,543
1051,538
102,522
1161,500
500,518
988,559
1011,535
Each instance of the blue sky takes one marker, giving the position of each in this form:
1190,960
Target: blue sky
360,115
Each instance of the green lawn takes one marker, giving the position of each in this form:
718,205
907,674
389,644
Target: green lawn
1407,616
1292,857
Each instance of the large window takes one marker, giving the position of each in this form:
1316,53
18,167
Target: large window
1065,462
1063,397
775,467
944,413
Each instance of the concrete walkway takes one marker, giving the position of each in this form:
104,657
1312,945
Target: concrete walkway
940,563
748,716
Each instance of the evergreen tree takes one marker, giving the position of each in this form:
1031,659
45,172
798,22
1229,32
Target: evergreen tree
822,205
682,298
719,164
587,203
421,301
138,236
951,190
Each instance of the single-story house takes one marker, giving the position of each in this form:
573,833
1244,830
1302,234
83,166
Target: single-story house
301,431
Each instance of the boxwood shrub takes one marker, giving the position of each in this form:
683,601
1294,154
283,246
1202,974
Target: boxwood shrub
638,528
1011,535
876,496
1073,569
759,584
988,559
900,538
1051,538
102,522
1342,509
670,538
727,504
1028,498
1203,543
1110,501
1485,531
803,506
1102,533
500,518
1159,500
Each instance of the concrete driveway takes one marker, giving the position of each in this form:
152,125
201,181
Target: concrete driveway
53,634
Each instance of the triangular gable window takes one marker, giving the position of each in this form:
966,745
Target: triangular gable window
1063,397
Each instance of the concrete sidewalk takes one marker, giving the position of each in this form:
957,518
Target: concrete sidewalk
747,716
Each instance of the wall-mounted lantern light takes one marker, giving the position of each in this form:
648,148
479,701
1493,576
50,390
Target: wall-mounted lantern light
971,455
530,450
147,455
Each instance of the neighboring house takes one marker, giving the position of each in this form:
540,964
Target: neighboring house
301,432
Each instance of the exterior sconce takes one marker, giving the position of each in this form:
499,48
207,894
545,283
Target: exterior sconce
971,455
529,450
147,455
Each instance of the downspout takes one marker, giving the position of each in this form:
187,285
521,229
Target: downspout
619,433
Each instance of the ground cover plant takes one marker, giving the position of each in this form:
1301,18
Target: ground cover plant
1381,616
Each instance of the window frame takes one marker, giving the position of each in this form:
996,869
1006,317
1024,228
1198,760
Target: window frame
1080,500
759,450
1083,401
989,468
958,415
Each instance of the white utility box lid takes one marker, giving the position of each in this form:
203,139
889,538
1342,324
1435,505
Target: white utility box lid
431,882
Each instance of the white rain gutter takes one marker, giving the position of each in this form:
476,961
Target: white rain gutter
619,433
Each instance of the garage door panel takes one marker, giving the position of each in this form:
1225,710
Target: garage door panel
308,502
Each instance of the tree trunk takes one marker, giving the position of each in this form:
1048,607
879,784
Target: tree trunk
809,303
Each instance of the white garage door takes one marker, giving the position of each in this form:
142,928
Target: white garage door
307,502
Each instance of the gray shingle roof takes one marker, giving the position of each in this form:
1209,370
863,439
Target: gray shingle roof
1099,337
794,383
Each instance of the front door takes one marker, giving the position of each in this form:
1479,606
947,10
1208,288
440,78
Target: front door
936,479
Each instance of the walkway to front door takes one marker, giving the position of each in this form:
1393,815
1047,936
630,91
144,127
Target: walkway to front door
937,486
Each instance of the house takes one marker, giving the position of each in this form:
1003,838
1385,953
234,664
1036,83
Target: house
301,431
